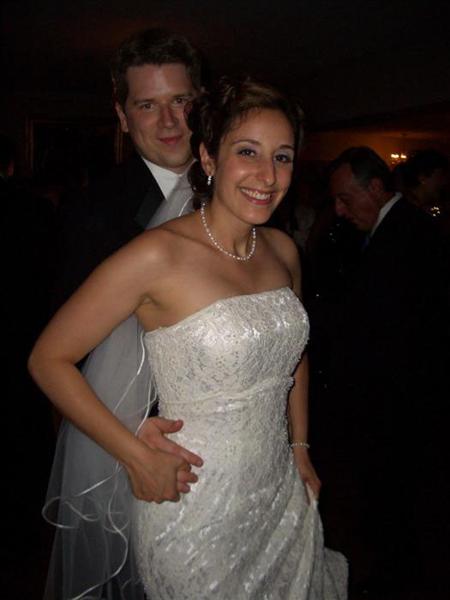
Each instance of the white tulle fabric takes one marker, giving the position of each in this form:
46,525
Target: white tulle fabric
246,530
89,499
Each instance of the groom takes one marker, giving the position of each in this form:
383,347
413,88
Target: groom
155,75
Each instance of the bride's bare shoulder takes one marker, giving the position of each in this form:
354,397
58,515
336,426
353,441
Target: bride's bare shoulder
183,226
280,243
161,245
284,248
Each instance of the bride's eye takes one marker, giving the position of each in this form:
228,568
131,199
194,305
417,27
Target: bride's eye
283,158
246,152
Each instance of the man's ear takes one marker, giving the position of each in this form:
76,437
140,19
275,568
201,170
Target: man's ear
122,117
376,186
208,163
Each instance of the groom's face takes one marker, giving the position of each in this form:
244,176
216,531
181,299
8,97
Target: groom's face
154,113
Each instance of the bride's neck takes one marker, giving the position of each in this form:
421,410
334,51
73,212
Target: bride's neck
233,234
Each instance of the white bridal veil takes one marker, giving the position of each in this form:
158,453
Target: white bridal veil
89,499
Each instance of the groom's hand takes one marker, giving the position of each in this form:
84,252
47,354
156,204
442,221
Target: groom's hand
153,433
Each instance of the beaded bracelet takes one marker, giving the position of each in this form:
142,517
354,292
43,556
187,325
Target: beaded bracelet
299,445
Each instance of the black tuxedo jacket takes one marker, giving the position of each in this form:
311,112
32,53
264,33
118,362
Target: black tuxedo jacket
109,214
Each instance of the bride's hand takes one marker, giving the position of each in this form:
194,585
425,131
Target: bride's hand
155,475
307,471
153,433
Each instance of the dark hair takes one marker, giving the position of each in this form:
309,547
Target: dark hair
423,162
214,113
153,47
7,152
365,165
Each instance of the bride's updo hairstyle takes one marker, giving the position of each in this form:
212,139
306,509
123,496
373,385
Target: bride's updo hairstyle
215,113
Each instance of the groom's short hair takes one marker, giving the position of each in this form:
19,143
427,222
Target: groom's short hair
154,47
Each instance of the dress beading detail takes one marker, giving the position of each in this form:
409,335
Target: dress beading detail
247,529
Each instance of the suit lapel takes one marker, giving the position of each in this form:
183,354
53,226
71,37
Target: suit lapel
143,195
149,204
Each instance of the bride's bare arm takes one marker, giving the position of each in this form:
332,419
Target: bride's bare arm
298,422
298,397
113,292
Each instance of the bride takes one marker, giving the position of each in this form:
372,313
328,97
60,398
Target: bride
217,294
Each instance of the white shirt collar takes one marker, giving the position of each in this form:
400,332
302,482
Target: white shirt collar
166,179
384,211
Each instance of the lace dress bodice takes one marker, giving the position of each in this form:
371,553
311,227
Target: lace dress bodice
246,529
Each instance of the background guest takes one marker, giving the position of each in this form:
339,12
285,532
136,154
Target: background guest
426,184
425,176
384,337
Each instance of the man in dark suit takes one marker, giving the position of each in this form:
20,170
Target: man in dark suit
155,75
380,409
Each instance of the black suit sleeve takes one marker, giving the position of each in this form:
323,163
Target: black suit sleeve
98,221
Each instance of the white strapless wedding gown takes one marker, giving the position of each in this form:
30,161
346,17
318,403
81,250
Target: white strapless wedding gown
246,530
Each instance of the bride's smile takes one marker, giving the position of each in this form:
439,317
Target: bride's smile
253,168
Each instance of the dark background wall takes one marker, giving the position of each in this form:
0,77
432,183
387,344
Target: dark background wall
350,63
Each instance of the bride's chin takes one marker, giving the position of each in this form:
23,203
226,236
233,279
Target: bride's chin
260,215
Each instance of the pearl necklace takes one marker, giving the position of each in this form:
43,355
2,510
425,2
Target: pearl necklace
221,248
